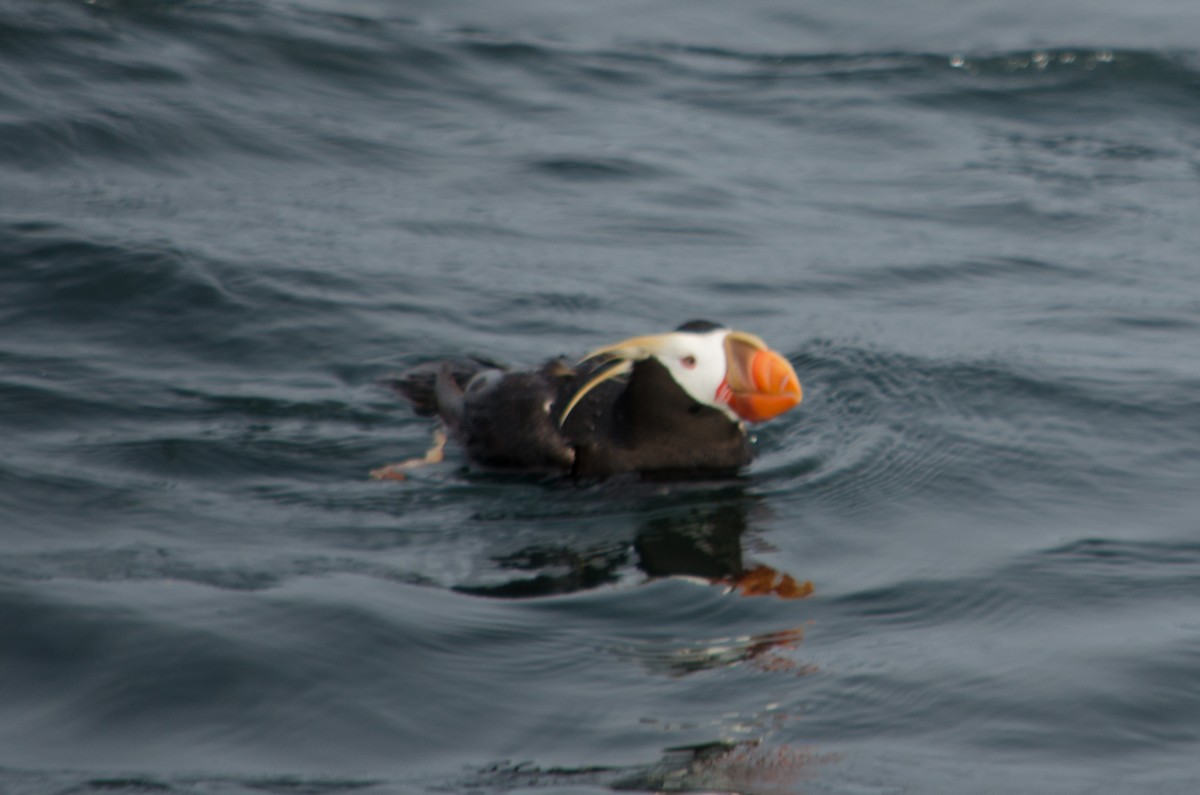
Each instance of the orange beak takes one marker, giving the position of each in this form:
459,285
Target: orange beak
759,383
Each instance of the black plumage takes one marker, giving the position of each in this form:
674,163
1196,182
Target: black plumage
642,422
649,423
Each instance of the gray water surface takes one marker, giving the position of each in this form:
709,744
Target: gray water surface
971,227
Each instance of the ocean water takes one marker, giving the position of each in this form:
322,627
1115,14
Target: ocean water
972,227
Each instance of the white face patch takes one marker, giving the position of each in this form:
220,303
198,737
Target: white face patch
697,363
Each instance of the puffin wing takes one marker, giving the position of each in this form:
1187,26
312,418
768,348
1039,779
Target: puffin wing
508,420
501,417
426,384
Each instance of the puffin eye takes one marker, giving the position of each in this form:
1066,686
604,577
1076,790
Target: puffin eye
688,361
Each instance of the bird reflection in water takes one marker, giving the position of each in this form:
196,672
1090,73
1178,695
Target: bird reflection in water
746,767
706,543
697,541
696,534
763,652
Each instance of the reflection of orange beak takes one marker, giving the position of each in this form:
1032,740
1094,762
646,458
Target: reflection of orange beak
761,383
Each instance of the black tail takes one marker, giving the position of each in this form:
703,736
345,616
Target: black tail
419,385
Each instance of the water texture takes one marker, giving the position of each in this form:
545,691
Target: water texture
971,227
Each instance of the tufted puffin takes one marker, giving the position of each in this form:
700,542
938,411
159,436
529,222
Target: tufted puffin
671,404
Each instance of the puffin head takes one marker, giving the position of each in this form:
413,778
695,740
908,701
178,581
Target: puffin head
732,371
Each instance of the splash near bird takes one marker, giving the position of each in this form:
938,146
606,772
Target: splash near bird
673,403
